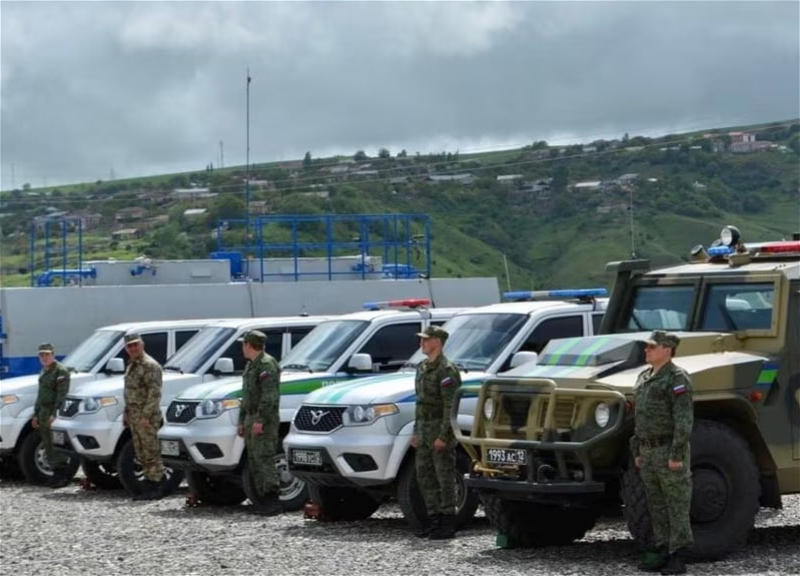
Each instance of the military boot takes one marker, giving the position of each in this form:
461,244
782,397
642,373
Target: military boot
269,506
446,528
433,522
654,560
676,563
59,479
149,491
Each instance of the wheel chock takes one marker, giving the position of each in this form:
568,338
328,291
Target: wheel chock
312,511
86,484
192,501
503,541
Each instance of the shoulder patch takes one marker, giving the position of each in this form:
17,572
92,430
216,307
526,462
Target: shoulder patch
447,381
264,375
679,389
60,378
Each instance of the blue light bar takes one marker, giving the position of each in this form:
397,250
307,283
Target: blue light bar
555,294
719,251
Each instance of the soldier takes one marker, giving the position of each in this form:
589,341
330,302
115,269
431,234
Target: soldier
143,415
436,382
53,388
660,446
259,419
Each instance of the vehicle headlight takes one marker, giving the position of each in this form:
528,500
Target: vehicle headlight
213,408
90,405
8,399
488,408
367,414
602,414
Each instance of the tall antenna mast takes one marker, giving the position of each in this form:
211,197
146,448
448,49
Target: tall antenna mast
221,154
247,169
630,209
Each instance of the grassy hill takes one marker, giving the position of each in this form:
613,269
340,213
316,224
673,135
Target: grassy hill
683,189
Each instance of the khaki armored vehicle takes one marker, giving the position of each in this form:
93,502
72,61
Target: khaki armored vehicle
549,442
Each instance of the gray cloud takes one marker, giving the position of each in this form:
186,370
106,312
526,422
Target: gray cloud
147,87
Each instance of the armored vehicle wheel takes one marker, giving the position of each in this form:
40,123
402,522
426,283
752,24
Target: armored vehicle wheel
293,491
413,506
34,464
101,474
215,490
344,503
529,525
131,476
725,493
10,470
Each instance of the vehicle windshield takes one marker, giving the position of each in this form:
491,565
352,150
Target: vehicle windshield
660,308
323,346
476,340
92,350
197,351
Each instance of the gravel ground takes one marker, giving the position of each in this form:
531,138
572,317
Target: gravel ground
72,531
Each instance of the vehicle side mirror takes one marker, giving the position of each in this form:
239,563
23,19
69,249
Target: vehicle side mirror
360,363
115,366
521,358
223,366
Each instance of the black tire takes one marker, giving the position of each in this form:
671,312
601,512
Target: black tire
635,508
131,476
725,493
33,461
413,506
10,470
293,491
101,474
339,503
215,490
530,525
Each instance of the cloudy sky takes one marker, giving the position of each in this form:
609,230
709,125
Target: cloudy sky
153,87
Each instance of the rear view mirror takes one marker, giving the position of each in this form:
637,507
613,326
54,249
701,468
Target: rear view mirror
360,362
115,366
521,358
223,366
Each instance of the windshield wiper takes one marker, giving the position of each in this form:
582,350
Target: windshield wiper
461,366
173,369
297,367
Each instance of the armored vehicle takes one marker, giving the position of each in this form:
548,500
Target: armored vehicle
549,442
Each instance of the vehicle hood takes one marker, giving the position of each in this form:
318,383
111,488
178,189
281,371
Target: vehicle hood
30,384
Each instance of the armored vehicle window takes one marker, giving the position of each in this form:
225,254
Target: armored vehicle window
730,307
597,319
155,344
182,337
392,345
550,329
660,307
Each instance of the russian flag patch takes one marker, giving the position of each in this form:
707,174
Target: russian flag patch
679,389
447,381
264,375
60,378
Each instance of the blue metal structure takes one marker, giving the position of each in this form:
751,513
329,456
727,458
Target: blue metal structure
53,231
400,239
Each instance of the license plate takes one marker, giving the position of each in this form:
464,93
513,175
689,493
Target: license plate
170,448
59,438
503,456
307,457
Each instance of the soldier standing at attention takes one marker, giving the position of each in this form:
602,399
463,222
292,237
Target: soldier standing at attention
259,419
436,382
143,415
53,388
660,445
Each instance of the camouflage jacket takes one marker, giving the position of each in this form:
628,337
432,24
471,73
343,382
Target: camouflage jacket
53,388
436,384
143,386
663,408
261,390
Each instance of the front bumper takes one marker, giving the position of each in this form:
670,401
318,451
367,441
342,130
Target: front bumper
88,436
203,445
10,429
359,456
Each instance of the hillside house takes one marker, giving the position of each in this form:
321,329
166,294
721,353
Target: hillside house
126,234
508,178
130,214
465,178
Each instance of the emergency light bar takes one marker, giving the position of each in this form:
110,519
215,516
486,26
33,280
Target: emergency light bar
555,294
406,303
779,247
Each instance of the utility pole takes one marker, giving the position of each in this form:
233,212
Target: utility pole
13,183
247,160
221,154
630,209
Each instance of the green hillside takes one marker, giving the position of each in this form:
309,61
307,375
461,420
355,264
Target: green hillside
683,188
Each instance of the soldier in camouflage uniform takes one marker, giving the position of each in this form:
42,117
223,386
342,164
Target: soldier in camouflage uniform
143,415
259,420
53,388
660,446
436,382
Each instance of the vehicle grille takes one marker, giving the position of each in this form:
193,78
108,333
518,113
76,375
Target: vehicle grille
516,408
319,418
69,407
562,415
181,412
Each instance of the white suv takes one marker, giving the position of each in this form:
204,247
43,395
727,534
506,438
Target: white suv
99,357
89,421
351,443
200,433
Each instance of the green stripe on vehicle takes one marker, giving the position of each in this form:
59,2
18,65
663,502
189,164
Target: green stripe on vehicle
584,356
339,393
554,358
767,376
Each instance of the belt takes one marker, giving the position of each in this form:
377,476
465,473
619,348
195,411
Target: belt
655,442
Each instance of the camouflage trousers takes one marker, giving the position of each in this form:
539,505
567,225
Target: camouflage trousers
261,452
54,458
146,446
669,498
436,473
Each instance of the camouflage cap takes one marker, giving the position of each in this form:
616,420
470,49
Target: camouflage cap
434,332
664,338
46,347
131,338
255,338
